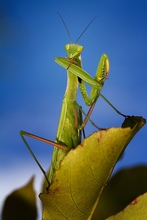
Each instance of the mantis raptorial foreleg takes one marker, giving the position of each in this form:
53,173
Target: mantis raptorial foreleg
96,88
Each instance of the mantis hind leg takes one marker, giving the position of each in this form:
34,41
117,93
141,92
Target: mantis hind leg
24,133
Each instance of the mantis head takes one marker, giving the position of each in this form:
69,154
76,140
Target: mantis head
73,50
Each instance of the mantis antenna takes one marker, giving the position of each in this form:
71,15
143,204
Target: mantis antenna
68,30
65,27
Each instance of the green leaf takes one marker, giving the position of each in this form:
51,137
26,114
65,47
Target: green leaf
122,189
21,204
84,173
134,211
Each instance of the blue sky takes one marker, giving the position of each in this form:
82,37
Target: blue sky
32,85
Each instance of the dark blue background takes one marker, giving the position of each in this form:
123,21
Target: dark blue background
32,85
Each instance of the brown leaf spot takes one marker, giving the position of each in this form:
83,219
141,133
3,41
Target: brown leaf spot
100,136
134,202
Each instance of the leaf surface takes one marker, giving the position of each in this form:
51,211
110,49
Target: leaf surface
126,185
84,173
136,210
21,204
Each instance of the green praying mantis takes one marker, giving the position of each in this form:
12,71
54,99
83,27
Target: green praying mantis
71,124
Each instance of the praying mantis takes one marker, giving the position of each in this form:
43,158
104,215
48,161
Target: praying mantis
70,124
